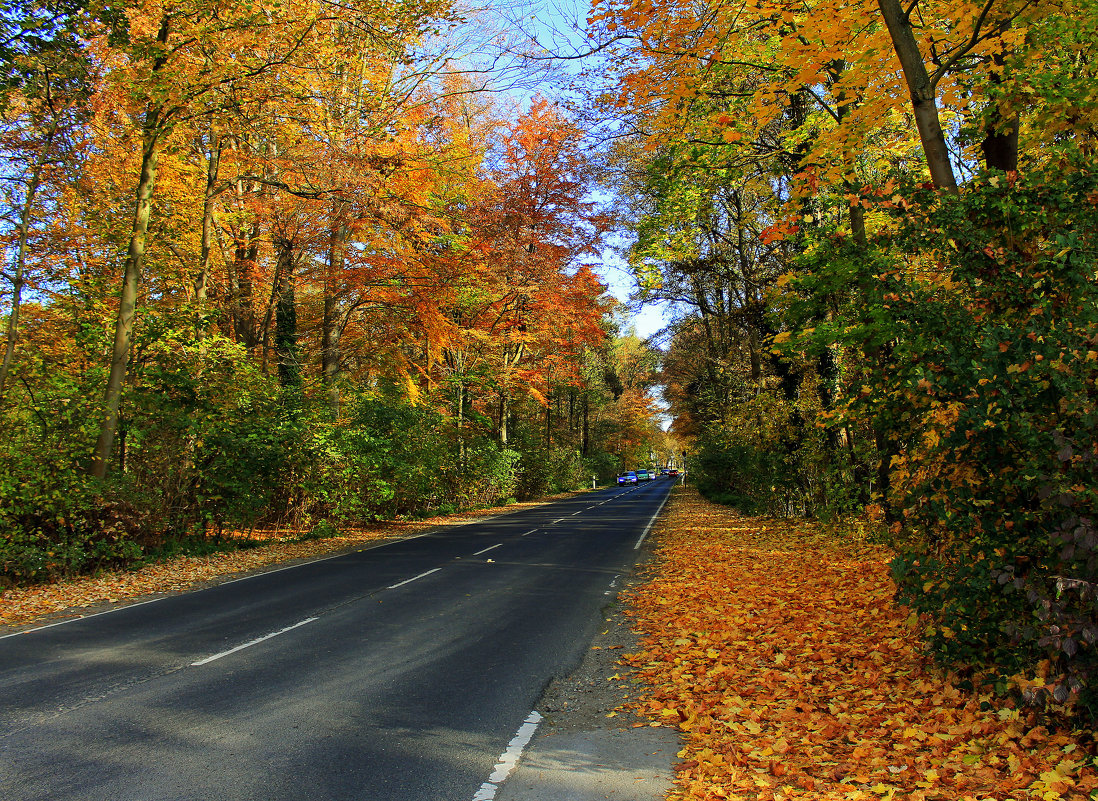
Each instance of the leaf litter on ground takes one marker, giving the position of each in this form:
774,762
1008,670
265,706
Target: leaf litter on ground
777,651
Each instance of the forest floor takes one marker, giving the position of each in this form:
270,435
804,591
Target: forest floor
775,649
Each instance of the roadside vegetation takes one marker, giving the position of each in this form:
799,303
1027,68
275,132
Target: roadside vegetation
876,226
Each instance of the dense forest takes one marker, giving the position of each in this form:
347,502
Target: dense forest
291,263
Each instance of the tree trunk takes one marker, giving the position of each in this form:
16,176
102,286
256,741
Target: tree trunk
201,280
885,452
151,131
329,351
332,323
127,305
1000,145
857,224
921,89
242,289
285,340
585,446
460,420
504,415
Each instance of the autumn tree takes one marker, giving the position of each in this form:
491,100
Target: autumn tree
175,64
846,112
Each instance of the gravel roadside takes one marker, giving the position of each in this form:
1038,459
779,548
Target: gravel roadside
585,750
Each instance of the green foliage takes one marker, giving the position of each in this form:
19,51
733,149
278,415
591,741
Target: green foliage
980,369
603,466
321,531
198,446
755,475
546,473
55,521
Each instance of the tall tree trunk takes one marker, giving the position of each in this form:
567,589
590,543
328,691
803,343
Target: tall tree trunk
331,330
585,446
242,288
285,340
332,323
206,247
921,89
504,416
461,400
127,304
151,131
18,278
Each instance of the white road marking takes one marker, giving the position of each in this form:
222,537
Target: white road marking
256,641
413,578
509,758
650,523
531,531
556,521
489,548
220,584
81,617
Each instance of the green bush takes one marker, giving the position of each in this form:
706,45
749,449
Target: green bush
981,368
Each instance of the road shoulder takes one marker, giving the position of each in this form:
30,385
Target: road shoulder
586,748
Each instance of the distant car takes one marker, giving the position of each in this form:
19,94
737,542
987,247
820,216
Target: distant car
628,477
643,475
665,471
672,472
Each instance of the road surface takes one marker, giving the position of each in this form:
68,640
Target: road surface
400,672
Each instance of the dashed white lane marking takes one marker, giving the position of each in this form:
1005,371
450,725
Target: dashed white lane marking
556,521
581,511
651,523
413,578
256,641
531,531
489,548
509,758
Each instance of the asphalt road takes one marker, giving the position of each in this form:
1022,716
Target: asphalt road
400,672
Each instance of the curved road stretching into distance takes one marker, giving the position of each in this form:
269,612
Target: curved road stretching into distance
398,672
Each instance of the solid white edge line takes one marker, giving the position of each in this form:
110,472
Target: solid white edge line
413,578
509,758
256,641
219,584
81,617
651,523
489,548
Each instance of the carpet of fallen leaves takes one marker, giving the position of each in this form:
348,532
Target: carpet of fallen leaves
778,653
76,597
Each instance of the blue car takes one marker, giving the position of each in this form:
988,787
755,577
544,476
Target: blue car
628,477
